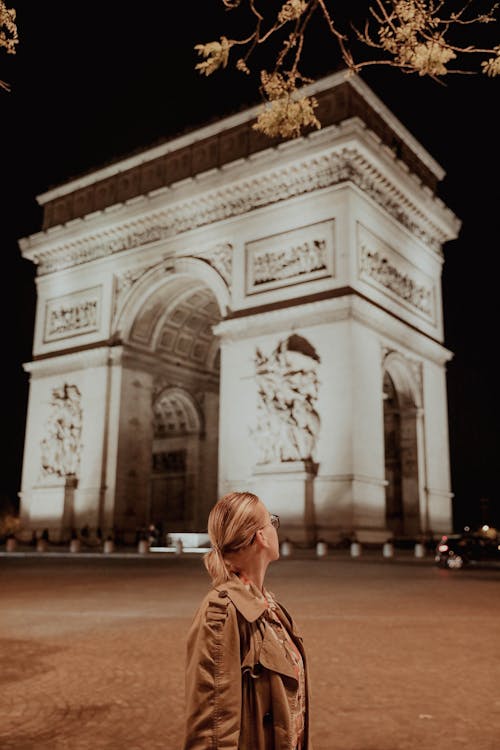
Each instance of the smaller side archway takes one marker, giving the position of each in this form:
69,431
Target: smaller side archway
401,447
176,459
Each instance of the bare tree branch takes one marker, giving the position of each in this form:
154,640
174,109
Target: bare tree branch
416,36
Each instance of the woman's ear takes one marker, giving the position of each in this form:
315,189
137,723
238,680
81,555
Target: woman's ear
261,538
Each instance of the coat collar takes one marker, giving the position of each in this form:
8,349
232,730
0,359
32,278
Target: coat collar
245,601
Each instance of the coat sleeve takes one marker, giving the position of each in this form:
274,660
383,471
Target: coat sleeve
213,678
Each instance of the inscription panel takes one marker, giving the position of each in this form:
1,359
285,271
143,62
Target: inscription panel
294,257
385,269
73,315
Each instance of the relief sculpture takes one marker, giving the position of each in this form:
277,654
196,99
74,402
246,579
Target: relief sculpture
287,420
289,262
61,446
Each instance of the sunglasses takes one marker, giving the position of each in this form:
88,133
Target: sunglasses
274,520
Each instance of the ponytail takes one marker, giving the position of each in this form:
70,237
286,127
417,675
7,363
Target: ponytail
217,567
232,523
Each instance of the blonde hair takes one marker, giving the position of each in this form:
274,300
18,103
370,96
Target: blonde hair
232,523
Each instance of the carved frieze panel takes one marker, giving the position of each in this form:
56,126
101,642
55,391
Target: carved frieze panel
73,315
61,445
293,257
385,269
287,391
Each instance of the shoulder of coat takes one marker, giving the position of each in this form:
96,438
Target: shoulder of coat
217,599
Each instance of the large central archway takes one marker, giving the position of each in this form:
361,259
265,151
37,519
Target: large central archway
167,328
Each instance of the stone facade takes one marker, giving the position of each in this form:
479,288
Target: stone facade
224,312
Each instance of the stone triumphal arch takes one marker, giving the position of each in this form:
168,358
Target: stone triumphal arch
226,312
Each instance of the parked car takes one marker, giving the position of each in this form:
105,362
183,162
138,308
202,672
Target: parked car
457,551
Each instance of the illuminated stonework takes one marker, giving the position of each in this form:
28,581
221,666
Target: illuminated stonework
293,257
61,446
73,314
263,316
336,167
218,256
287,387
381,265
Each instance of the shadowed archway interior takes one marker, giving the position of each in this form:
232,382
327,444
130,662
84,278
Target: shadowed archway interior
174,324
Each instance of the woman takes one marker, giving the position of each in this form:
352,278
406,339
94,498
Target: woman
246,681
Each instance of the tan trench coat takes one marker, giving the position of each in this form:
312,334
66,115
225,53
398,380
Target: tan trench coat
237,676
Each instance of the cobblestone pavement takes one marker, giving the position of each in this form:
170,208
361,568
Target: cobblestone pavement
403,656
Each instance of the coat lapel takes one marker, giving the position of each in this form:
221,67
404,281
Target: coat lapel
271,655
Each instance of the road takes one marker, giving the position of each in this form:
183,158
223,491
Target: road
402,655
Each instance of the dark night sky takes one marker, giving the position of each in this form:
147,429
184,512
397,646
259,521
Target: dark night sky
93,82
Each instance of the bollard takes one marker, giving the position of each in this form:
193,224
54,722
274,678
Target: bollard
388,550
75,545
179,547
109,546
41,545
143,547
355,549
11,544
419,550
321,548
286,548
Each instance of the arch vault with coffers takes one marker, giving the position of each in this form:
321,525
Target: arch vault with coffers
226,312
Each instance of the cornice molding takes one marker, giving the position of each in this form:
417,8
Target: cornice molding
58,364
336,166
332,310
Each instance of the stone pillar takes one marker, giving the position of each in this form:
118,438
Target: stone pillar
287,489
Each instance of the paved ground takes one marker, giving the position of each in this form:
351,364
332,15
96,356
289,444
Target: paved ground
403,656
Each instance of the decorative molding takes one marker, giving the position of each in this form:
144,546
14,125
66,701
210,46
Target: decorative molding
385,269
338,166
292,257
73,314
218,256
347,307
63,363
125,281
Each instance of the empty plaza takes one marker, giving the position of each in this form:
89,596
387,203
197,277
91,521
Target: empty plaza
402,655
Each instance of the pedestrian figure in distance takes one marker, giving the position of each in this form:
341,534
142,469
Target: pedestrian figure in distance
246,677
